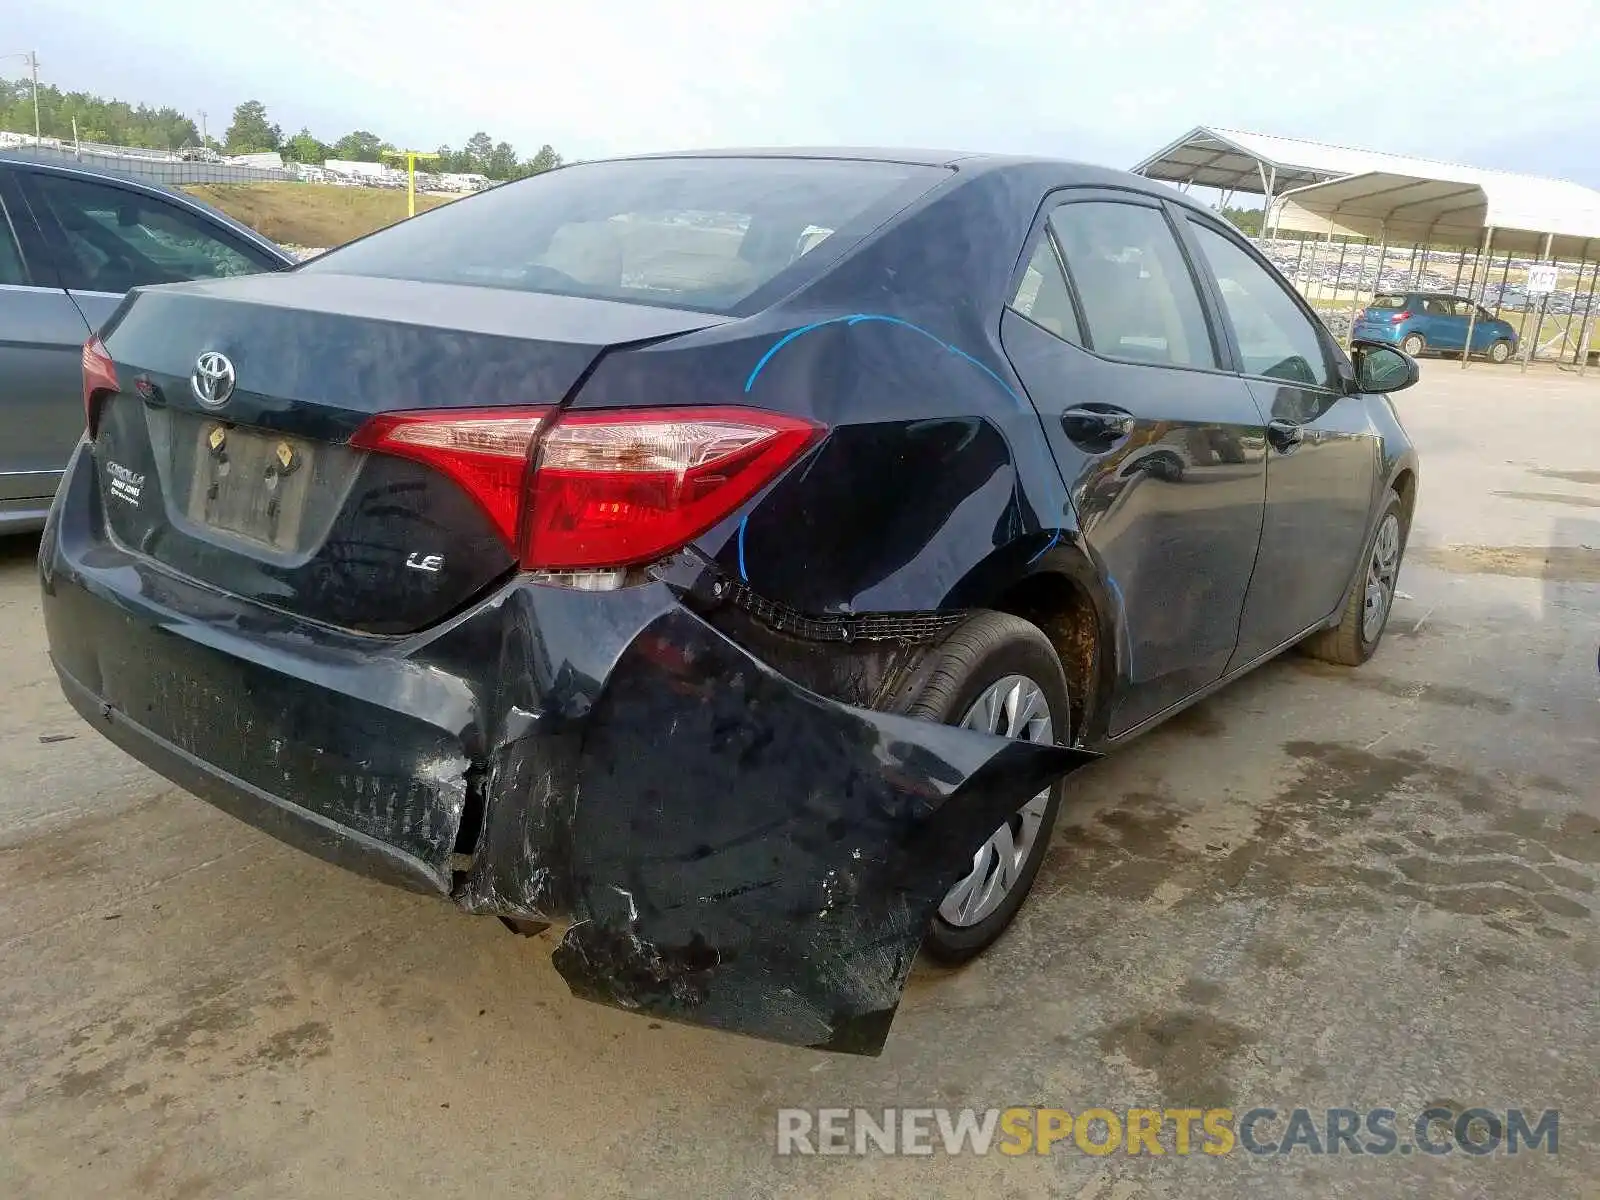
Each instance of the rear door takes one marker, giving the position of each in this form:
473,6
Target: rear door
41,342
1322,462
1484,330
1160,444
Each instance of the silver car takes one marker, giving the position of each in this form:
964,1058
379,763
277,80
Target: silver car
72,243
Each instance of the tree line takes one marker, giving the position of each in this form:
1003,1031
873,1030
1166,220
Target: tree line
99,120
251,131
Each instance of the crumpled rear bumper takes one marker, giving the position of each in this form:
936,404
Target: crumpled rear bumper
731,849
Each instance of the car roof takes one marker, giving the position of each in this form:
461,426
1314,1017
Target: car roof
21,158
1049,172
896,154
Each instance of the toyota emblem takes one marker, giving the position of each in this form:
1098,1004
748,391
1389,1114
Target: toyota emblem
212,381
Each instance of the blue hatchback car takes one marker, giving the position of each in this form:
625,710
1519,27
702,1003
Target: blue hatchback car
1420,321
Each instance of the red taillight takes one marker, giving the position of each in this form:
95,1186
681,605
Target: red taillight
99,378
484,450
1400,316
615,488
612,488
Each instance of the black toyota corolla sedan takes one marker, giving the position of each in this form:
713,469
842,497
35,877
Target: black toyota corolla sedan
727,555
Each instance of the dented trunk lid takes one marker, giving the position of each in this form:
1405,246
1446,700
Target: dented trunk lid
258,493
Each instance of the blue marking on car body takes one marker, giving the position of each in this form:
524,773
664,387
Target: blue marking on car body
854,319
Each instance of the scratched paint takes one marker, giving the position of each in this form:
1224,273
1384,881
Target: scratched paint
850,321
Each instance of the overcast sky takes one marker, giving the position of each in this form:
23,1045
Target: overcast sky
1473,81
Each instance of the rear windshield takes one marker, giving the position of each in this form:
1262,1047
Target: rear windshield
699,233
1388,302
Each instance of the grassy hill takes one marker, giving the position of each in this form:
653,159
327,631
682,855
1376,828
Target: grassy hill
309,214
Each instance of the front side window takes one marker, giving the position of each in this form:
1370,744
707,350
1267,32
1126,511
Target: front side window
700,233
1042,295
1276,339
1139,298
118,239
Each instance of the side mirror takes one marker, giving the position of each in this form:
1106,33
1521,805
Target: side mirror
1382,368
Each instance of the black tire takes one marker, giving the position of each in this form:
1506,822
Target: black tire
1413,344
978,654
1500,352
1348,643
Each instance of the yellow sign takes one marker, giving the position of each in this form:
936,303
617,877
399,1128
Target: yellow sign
411,157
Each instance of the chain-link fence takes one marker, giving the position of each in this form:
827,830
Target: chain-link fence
156,166
1339,277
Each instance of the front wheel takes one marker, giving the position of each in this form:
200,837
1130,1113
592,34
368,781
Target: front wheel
1500,352
1366,613
1413,344
996,674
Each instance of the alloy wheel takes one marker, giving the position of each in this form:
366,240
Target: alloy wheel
1381,571
1012,707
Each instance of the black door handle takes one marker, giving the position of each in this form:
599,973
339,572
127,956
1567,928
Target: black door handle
1285,435
1097,424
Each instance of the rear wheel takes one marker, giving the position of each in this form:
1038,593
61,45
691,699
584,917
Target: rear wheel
996,674
1500,352
1366,613
1413,344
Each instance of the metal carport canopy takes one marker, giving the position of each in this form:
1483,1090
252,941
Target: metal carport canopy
1428,210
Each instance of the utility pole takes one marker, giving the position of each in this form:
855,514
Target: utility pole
33,68
33,62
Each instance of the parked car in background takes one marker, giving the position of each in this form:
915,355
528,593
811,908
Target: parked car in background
727,554
1419,322
72,242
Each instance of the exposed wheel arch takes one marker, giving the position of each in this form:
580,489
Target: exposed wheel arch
1081,627
1405,486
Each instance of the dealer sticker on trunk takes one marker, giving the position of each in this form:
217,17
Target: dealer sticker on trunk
125,484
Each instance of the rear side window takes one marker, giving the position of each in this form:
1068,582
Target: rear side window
1138,296
1390,302
118,239
11,268
1042,295
698,233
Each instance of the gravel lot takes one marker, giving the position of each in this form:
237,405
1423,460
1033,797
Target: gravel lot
1318,888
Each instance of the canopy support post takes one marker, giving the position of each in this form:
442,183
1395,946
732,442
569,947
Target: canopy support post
1269,182
1527,342
1472,315
1588,308
1355,299
1577,286
1338,271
